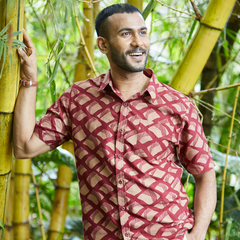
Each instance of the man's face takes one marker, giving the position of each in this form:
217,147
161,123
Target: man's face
128,42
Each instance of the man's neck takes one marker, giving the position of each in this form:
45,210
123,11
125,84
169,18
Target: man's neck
129,83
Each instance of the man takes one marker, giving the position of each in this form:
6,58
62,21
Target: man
131,135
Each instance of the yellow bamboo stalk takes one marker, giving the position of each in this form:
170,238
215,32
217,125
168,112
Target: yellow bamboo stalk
59,210
214,89
39,205
213,20
84,44
9,215
8,93
88,33
136,3
21,199
226,161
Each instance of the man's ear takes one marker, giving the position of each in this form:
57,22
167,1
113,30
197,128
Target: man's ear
103,45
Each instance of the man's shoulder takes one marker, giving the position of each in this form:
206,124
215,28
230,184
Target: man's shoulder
88,83
171,95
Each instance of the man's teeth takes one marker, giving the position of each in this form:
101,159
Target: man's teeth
136,54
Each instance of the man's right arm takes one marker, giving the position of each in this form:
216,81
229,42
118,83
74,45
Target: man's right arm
25,143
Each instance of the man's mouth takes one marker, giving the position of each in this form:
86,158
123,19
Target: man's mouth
136,54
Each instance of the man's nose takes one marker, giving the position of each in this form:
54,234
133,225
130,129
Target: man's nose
137,41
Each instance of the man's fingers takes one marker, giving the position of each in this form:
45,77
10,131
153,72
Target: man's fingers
21,53
27,40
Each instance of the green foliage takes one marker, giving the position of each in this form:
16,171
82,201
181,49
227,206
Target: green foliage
4,42
2,226
52,27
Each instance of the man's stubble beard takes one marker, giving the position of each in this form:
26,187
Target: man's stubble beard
121,60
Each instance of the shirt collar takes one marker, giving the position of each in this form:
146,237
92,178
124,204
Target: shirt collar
152,87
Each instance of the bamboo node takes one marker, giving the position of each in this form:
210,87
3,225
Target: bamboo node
20,223
23,174
6,113
1,175
209,26
64,188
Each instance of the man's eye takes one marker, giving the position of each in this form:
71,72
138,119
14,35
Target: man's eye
126,33
143,32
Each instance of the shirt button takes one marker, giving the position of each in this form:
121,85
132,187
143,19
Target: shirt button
125,104
119,156
126,234
122,131
120,181
122,208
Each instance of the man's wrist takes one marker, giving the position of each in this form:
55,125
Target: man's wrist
27,83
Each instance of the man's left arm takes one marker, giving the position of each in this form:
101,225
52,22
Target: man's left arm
204,204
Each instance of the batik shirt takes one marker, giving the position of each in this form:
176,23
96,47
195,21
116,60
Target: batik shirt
129,156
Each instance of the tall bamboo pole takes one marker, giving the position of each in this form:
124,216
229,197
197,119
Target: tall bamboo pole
226,161
136,3
8,93
21,199
60,203
83,70
213,20
8,235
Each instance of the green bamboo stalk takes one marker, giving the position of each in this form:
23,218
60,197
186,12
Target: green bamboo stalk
84,44
38,204
226,161
21,199
8,94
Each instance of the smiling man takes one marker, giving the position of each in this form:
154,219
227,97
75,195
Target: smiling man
132,137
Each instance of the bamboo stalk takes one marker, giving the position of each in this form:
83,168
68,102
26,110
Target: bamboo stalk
39,205
209,105
213,20
84,44
59,210
8,93
88,34
136,3
176,10
10,205
192,94
21,199
226,161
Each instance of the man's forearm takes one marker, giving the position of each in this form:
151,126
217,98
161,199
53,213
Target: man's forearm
204,204
24,118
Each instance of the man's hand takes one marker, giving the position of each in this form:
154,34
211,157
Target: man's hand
204,204
25,143
28,60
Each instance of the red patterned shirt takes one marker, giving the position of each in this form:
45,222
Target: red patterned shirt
129,156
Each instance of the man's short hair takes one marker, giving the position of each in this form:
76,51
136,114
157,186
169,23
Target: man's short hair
101,20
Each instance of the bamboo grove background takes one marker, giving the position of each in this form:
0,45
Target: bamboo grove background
195,48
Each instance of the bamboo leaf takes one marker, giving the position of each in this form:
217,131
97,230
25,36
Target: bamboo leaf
61,50
228,229
19,43
54,73
192,30
16,33
1,49
5,29
1,225
4,58
54,49
53,90
148,9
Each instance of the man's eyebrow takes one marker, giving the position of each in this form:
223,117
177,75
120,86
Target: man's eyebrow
130,29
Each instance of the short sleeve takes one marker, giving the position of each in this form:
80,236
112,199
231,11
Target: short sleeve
55,127
194,152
